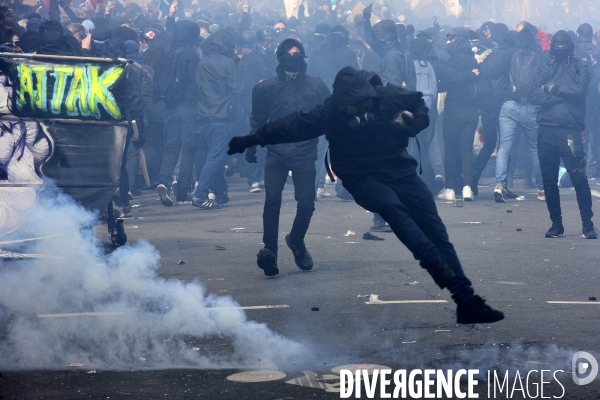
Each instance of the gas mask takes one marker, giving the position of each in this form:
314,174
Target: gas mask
268,46
360,115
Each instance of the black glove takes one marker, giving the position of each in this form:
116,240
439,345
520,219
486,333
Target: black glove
250,155
404,119
367,12
138,144
240,143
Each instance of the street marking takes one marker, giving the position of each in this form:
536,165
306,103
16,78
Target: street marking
406,302
597,303
250,307
595,193
256,376
85,314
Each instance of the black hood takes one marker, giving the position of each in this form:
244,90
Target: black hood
338,37
185,34
562,38
352,86
422,49
526,40
462,44
286,45
220,43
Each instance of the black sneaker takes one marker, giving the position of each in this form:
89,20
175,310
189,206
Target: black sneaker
165,200
589,231
475,311
267,261
205,204
511,195
555,230
301,256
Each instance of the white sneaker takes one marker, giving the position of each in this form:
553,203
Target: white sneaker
468,194
255,188
447,194
322,193
211,196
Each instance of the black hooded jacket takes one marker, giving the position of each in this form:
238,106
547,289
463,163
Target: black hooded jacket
216,78
462,59
375,151
560,89
277,97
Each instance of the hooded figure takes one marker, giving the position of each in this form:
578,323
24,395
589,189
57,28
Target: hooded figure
559,88
55,43
333,55
180,93
292,90
368,126
396,66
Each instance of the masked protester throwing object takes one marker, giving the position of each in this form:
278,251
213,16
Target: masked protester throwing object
368,126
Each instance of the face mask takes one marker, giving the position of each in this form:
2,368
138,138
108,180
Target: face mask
143,47
560,52
293,63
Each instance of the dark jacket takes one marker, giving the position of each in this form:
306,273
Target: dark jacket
276,97
216,78
251,70
398,68
183,64
462,59
566,105
331,57
376,151
496,68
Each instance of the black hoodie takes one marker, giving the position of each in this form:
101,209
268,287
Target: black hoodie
276,97
376,151
183,63
561,88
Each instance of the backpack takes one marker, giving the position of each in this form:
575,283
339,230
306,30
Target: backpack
523,67
426,81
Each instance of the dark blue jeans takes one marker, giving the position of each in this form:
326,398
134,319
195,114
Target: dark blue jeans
408,207
276,173
215,137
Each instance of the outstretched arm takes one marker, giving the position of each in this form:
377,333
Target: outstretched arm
296,127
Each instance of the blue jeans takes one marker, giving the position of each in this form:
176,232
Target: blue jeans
408,206
215,136
320,163
515,115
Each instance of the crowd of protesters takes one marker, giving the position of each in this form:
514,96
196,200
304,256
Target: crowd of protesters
202,73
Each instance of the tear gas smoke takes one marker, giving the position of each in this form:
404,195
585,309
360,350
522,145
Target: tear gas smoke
160,317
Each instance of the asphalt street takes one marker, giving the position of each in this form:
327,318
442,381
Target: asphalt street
333,312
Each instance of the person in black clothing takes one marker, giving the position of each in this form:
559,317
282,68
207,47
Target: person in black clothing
266,46
180,94
368,126
560,88
461,116
290,91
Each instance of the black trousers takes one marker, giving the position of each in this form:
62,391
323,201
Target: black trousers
555,144
276,173
408,206
459,131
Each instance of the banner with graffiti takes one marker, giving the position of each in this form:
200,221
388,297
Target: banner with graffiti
48,87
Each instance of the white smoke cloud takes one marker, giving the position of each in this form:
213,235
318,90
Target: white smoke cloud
161,317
